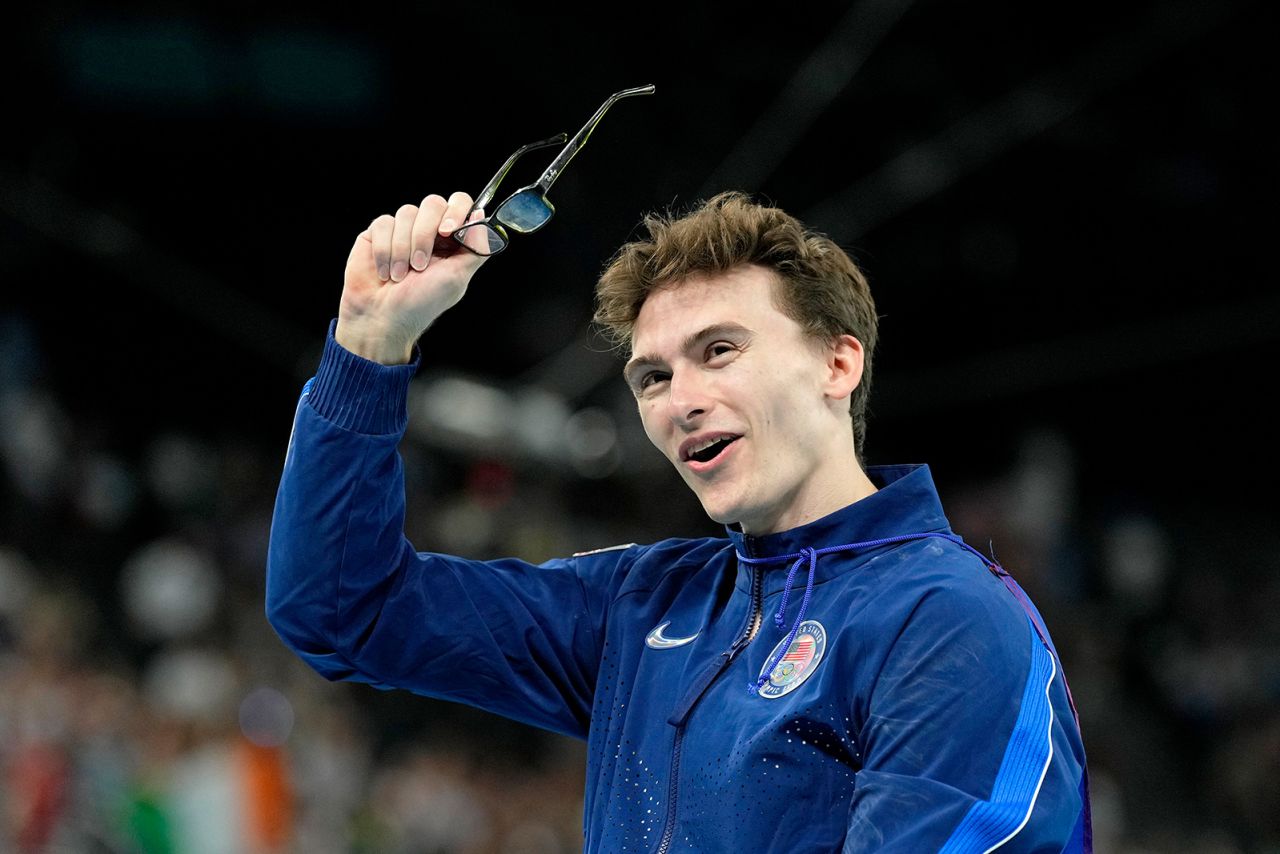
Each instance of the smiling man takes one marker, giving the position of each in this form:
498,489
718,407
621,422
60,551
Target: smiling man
752,411
840,672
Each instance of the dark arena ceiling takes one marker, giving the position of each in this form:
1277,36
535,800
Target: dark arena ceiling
1063,210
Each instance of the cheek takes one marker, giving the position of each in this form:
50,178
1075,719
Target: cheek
788,412
652,423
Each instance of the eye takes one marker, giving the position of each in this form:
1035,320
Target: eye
651,378
719,350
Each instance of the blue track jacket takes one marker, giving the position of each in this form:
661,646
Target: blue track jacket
918,706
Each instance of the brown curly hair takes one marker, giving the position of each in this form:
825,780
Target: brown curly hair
823,290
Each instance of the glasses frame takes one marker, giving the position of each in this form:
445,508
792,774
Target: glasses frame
493,221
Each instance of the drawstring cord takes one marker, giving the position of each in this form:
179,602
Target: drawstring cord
811,555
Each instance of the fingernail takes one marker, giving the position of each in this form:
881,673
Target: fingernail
398,270
448,225
382,272
419,260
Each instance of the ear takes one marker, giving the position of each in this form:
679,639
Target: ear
845,358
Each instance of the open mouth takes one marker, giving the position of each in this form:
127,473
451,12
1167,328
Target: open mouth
708,451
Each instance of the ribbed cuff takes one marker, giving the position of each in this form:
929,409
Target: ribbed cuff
359,395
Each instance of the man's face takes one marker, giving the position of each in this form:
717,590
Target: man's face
741,401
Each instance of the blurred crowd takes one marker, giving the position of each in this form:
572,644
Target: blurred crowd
146,706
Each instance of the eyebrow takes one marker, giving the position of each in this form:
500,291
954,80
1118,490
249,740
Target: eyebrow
712,331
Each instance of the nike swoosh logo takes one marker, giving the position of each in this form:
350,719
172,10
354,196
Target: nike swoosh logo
657,640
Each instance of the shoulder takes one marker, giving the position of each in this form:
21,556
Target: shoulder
644,567
941,634
943,589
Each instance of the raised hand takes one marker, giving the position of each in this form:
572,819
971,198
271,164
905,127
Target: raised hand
403,272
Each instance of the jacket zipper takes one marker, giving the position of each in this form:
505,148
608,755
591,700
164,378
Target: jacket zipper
671,794
753,626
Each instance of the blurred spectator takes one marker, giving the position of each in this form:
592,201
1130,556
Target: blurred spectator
146,706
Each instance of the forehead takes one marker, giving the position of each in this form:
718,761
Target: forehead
745,295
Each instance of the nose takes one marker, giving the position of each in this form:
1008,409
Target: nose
688,398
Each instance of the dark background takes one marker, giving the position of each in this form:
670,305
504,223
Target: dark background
1064,211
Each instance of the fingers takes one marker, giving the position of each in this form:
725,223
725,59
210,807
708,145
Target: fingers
406,241
380,232
436,218
422,237
476,238
459,207
401,241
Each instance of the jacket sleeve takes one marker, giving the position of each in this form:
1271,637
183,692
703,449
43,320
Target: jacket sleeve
350,595
968,740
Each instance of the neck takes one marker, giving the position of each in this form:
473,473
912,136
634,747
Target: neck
843,486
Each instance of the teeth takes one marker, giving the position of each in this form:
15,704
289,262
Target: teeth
699,451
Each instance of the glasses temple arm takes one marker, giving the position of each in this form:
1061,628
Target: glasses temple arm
580,138
486,195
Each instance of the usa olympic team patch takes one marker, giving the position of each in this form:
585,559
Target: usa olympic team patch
798,662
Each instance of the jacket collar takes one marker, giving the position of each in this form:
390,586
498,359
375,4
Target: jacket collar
906,502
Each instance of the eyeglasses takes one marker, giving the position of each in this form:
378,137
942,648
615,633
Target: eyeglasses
528,209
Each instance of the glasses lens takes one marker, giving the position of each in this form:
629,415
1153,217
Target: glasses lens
527,210
481,239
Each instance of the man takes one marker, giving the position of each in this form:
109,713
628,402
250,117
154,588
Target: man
841,673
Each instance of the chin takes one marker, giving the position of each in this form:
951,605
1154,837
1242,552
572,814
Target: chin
721,518
727,502
717,511
724,512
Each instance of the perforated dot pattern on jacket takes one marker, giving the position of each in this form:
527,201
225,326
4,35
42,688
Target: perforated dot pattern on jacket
635,781
806,757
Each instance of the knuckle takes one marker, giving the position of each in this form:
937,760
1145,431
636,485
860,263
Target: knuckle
407,211
434,199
